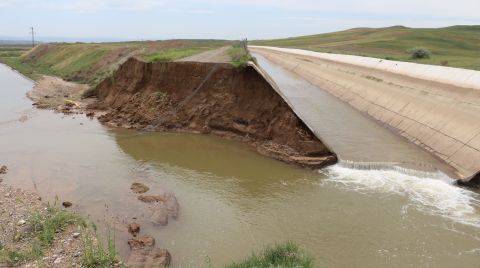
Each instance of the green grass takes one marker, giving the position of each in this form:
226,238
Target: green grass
239,57
286,255
94,252
457,45
45,226
25,69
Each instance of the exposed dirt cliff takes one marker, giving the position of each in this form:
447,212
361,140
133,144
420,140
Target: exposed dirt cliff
209,98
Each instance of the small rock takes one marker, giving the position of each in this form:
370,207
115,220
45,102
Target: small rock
159,214
21,222
7,195
151,198
57,261
76,235
3,170
160,258
67,204
134,228
141,243
172,205
139,188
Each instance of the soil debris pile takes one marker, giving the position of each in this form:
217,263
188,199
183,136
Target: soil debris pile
145,254
139,188
161,207
209,98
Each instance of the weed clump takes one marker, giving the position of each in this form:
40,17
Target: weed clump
286,255
239,57
95,254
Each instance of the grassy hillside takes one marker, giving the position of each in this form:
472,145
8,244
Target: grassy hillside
90,63
456,46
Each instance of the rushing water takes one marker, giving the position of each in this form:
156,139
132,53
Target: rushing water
233,200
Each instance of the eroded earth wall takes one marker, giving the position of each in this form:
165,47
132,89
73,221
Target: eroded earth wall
207,98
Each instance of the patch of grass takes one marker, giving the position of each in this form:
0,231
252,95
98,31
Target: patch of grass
239,57
45,226
95,254
25,69
457,45
286,255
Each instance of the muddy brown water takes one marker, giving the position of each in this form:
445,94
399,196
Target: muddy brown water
233,200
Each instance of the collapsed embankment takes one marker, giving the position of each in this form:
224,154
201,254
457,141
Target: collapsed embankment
209,98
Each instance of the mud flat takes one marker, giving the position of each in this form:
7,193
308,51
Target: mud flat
209,98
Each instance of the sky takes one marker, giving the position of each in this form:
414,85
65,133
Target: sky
74,20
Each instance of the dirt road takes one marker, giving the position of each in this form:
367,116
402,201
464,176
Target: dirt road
215,56
442,118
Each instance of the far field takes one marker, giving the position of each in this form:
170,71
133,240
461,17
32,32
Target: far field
456,46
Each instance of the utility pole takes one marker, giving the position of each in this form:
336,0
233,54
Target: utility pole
33,36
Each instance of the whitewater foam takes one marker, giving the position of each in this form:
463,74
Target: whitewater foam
435,195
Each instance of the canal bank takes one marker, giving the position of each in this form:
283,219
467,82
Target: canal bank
433,107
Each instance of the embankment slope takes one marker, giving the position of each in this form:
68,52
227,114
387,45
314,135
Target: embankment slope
90,63
212,98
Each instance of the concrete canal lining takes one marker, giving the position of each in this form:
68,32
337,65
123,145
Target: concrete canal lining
436,108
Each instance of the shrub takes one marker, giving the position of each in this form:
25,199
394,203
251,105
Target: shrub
239,57
419,53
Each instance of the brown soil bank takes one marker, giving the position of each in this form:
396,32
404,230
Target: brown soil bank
209,98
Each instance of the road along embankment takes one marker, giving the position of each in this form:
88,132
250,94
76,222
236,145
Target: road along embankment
437,108
209,98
